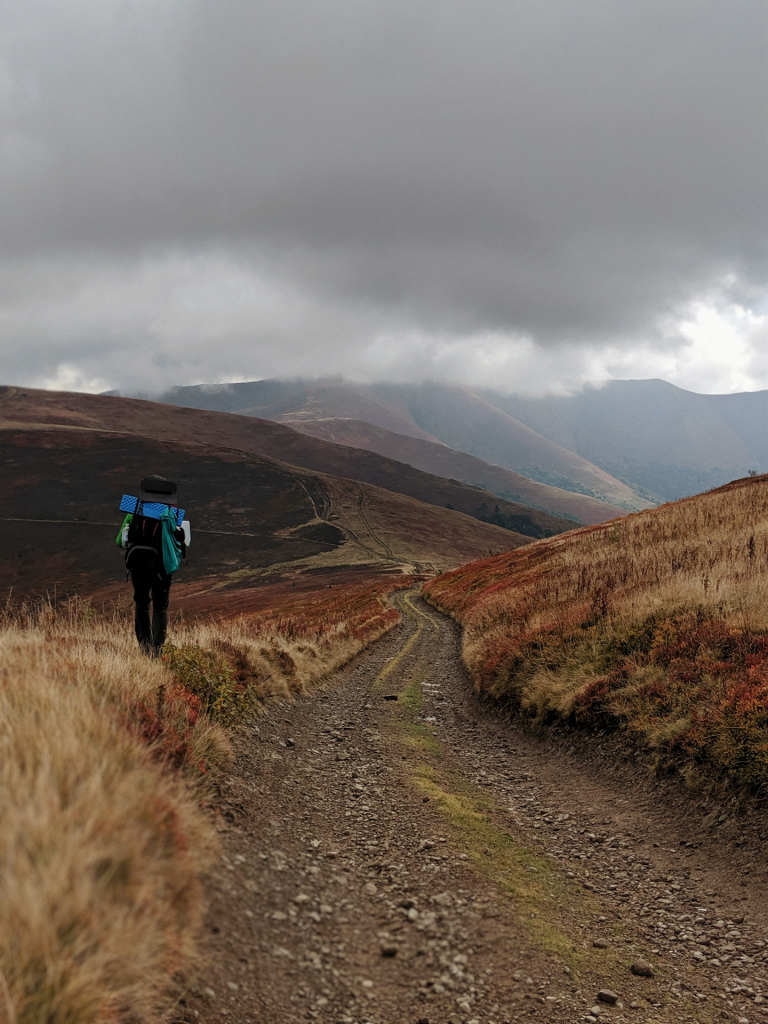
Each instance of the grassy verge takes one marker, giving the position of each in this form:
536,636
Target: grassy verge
106,762
656,624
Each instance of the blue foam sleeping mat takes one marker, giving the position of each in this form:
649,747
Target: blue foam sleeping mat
150,509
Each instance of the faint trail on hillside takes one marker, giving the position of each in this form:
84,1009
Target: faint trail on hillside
371,532
115,525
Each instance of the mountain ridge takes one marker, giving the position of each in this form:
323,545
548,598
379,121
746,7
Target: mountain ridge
450,415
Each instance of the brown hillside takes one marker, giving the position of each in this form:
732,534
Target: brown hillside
444,414
655,625
251,516
469,423
339,400
446,462
272,440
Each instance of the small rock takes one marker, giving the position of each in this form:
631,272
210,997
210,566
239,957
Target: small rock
595,1012
389,950
601,943
301,898
607,995
342,756
370,889
642,969
290,742
413,914
209,993
232,986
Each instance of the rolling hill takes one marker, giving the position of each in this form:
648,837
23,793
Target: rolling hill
654,625
454,416
469,423
67,458
443,461
294,401
274,441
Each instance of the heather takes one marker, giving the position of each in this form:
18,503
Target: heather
655,625
109,761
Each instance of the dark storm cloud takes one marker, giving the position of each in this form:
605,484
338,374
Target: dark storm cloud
568,169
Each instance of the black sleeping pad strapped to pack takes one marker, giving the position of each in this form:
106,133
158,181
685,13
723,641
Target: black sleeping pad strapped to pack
163,492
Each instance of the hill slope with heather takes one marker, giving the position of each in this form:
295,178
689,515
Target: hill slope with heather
67,459
263,438
654,625
443,461
440,413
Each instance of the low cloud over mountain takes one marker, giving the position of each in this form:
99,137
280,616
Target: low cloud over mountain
500,194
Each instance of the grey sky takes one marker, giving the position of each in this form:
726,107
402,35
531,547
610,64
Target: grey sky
506,191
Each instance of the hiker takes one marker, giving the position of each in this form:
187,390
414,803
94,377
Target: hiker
154,544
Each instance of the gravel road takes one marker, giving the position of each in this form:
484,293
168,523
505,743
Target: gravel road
394,851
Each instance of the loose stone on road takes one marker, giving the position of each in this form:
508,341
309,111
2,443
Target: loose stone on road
423,858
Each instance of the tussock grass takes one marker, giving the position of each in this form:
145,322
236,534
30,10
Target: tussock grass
656,623
100,851
105,757
288,649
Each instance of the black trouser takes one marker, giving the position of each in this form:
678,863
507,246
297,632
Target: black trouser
150,585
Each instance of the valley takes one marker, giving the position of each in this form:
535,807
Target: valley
413,767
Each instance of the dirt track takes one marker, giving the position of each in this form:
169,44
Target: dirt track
422,859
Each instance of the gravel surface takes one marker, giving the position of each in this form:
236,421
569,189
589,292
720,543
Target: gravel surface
394,851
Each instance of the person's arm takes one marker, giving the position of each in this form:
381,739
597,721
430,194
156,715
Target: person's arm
179,535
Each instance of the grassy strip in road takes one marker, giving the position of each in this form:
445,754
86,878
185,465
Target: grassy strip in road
420,736
557,914
420,619
560,917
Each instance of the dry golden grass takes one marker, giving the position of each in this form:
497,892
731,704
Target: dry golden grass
105,756
656,622
100,849
288,649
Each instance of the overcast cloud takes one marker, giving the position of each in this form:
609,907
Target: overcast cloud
509,192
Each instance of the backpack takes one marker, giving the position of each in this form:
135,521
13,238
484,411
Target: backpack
158,536
171,546
144,534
